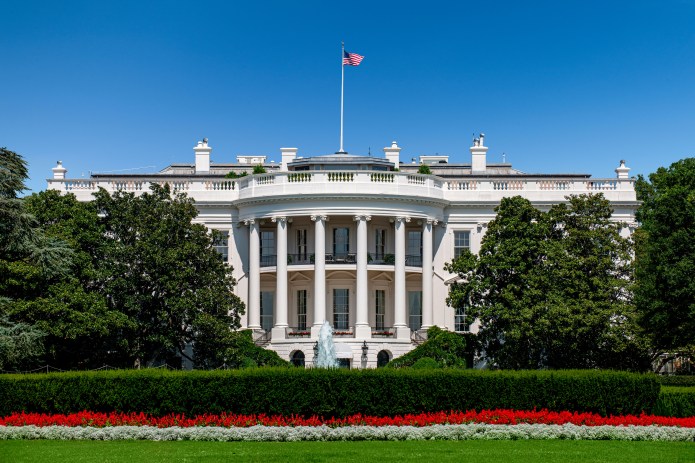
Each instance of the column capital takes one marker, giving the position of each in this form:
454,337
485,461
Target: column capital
248,222
279,219
481,225
316,217
404,219
359,217
431,221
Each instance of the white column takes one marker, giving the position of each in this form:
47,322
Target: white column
319,273
362,328
254,275
281,295
399,299
427,273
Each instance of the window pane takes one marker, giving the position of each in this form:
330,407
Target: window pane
341,241
341,309
301,245
380,308
267,303
461,320
380,243
462,240
301,309
221,245
415,310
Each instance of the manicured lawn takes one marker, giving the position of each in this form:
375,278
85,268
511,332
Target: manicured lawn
477,451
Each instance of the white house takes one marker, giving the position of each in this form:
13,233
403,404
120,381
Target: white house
359,241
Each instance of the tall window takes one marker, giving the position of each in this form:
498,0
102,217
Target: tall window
267,248
301,245
298,359
341,241
267,303
221,245
341,309
301,309
462,240
380,243
380,308
414,248
461,322
415,310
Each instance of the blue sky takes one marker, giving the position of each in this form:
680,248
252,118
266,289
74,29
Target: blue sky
559,86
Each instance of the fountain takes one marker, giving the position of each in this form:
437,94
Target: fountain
326,356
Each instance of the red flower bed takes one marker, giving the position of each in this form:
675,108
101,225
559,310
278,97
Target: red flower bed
86,418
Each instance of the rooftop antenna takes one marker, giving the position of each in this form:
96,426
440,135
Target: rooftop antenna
369,151
504,158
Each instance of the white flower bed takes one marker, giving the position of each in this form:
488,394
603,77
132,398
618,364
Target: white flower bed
354,433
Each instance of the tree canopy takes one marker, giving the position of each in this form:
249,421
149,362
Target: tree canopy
552,289
665,256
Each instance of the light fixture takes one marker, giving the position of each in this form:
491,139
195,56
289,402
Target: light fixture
316,349
365,349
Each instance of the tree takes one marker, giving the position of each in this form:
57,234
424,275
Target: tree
665,257
258,169
20,344
442,349
162,271
424,169
552,289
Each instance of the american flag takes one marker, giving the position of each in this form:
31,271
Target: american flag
352,59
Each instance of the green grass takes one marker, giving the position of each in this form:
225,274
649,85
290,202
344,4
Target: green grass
363,452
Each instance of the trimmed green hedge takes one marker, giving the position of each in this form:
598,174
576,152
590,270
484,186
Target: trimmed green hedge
677,380
381,392
676,401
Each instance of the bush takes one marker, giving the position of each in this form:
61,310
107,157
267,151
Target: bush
447,349
676,401
327,393
259,169
426,363
677,380
424,169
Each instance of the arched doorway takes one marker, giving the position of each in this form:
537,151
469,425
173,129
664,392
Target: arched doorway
382,358
297,358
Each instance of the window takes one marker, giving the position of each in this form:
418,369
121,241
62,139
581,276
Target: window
414,255
344,363
267,303
221,244
382,358
380,244
415,310
267,248
462,240
301,245
341,309
461,322
297,359
380,308
341,242
301,310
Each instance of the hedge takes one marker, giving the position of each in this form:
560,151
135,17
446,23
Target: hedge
677,380
327,393
676,401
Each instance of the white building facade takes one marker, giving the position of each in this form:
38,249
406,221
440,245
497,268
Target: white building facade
358,241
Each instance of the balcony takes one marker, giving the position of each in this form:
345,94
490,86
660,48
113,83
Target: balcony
341,259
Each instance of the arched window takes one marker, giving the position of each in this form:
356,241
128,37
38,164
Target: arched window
297,359
382,358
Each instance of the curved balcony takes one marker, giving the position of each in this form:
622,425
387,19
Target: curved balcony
341,183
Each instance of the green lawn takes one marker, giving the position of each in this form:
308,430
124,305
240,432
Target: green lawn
364,452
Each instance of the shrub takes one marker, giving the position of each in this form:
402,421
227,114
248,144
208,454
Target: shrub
447,349
424,169
328,393
676,401
232,174
677,380
426,363
259,169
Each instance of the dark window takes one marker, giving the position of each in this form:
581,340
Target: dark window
344,363
267,303
462,240
341,309
380,243
461,322
415,310
301,309
301,245
221,245
341,242
380,308
267,248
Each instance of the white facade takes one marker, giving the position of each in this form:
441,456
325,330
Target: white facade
347,239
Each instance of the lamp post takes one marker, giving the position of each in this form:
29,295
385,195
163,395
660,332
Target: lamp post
365,349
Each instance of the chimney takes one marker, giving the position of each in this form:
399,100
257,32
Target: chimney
202,157
479,155
59,171
288,155
621,170
392,154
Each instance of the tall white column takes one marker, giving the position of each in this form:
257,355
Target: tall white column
281,295
399,299
427,273
319,273
362,328
254,275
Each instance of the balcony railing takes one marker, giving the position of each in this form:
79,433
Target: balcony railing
338,259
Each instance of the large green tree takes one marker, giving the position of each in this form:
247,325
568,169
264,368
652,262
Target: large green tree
162,271
552,289
665,257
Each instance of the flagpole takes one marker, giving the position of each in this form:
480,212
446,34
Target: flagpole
342,86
